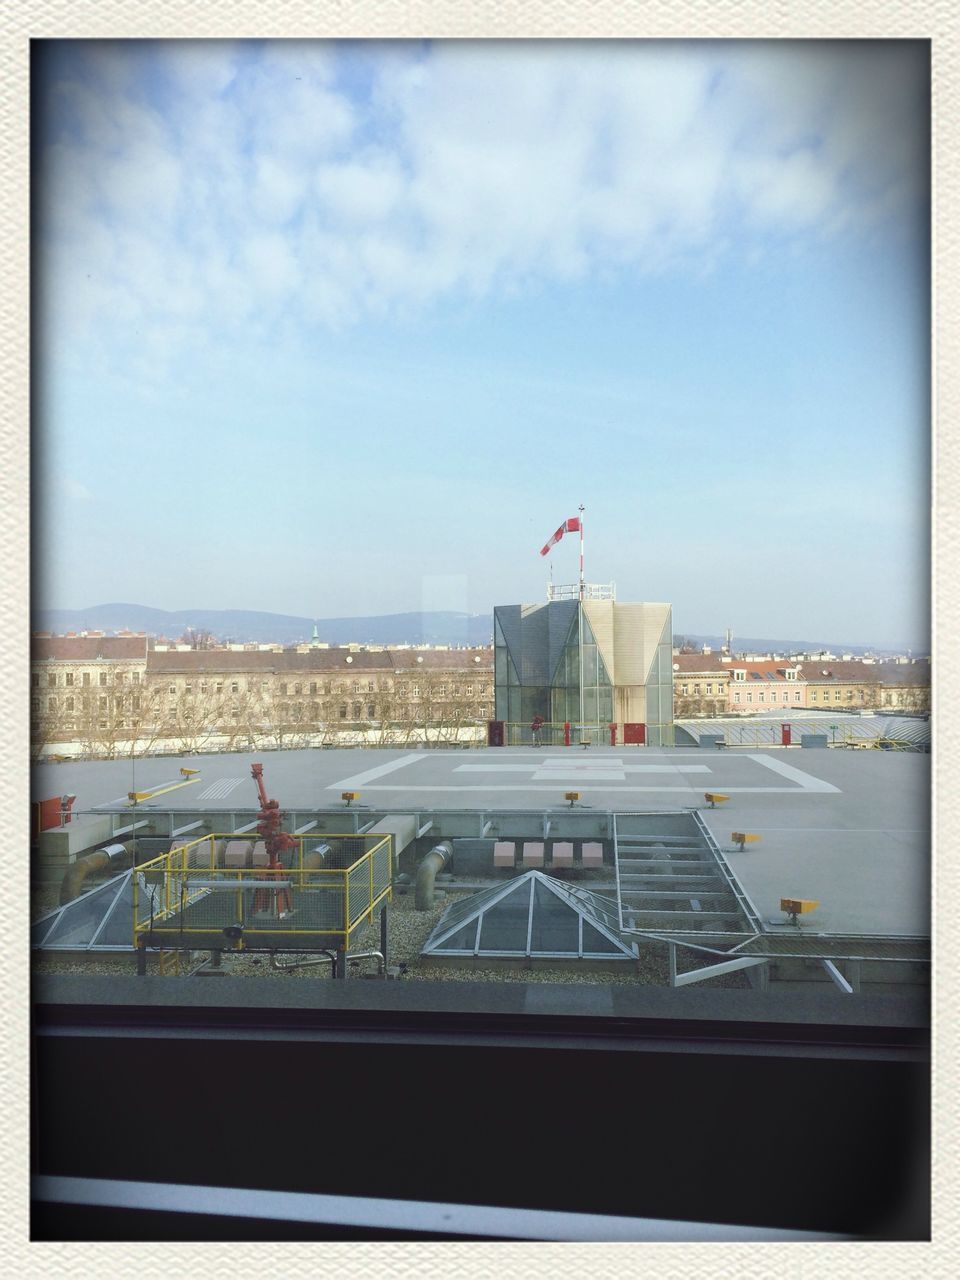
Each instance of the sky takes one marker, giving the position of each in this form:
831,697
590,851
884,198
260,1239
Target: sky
341,329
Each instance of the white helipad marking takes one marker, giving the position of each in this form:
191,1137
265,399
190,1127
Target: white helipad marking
495,768
584,785
667,768
217,790
570,777
805,780
598,770
602,762
360,779
554,771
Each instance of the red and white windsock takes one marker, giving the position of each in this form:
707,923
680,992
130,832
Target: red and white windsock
571,525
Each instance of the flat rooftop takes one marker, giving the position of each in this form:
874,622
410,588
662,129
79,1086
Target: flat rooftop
850,829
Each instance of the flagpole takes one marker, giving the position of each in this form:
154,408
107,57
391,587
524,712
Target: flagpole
580,620
581,550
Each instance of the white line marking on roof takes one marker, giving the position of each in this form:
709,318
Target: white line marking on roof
806,780
591,768
571,778
217,790
690,789
360,779
604,762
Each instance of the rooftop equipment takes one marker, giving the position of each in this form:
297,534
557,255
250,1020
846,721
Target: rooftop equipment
795,907
276,901
740,838
714,798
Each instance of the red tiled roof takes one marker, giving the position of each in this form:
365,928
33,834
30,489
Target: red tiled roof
830,671
697,663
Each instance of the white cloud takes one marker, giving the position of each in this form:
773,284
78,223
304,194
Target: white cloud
254,187
365,190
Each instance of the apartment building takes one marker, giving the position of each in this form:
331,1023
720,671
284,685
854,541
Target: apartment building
87,684
876,686
700,684
713,684
139,696
767,685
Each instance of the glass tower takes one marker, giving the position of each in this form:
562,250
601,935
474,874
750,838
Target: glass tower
549,660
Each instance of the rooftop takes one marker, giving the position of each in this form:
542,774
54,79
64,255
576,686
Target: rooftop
848,829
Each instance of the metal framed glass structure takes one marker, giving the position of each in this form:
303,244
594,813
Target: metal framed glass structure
590,663
533,916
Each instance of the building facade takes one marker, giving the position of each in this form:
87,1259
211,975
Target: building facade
699,685
714,684
111,700
766,685
840,684
589,662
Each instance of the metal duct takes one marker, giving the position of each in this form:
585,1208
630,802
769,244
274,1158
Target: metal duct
330,958
316,858
110,858
433,862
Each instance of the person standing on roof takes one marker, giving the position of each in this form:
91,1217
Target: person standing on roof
535,727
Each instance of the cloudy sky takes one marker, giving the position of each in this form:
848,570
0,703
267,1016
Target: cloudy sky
350,328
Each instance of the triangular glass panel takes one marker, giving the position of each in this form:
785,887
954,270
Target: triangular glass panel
533,915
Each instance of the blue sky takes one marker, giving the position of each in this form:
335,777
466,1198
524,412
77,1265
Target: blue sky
334,329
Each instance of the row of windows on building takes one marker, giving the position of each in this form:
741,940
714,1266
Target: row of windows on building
86,678
313,687
783,695
401,690
71,704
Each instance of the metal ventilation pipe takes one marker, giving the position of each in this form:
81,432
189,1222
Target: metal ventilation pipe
112,857
330,958
315,858
433,862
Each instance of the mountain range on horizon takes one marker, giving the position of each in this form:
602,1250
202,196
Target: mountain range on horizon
436,628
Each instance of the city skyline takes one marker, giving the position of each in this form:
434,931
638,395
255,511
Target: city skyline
381,316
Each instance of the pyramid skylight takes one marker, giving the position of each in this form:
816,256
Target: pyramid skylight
533,916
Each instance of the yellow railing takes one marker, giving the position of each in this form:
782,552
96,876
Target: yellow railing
189,898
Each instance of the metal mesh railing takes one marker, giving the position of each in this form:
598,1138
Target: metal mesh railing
882,732
188,896
556,734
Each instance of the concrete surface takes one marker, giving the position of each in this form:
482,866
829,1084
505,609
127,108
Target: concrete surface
850,829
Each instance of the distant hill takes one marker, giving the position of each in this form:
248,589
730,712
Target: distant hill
240,625
750,644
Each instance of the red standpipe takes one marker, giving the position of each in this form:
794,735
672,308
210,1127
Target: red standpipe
276,841
566,733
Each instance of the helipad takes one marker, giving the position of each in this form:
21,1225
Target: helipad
849,829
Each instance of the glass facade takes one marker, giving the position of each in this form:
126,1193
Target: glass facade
537,670
659,689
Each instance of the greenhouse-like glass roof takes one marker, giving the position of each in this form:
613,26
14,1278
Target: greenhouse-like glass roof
534,915
99,920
